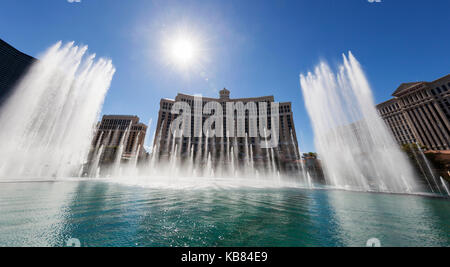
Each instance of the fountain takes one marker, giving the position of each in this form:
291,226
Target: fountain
356,148
48,122
444,185
51,117
199,198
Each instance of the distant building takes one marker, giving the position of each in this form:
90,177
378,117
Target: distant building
420,112
287,151
13,65
119,133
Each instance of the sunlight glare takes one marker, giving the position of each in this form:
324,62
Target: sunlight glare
183,51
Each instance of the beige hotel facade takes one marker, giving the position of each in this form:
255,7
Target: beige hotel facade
287,151
419,112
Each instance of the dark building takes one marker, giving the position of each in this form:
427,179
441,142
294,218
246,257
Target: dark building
13,65
420,113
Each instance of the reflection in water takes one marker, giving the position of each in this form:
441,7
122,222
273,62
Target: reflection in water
108,214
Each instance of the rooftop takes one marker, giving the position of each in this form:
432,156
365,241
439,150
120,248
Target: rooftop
404,87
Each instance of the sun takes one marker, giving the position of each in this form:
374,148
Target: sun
183,51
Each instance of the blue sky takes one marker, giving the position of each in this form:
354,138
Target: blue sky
252,47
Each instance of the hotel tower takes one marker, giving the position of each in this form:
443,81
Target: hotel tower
286,152
420,113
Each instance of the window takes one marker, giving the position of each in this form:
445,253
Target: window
445,88
438,90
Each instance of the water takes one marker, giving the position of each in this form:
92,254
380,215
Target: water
196,200
48,123
112,214
180,162
357,150
52,114
444,185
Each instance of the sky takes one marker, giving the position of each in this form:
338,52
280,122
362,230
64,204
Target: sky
251,47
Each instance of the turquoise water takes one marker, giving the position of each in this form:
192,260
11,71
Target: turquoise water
109,214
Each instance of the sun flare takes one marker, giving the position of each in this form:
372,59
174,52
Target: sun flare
183,51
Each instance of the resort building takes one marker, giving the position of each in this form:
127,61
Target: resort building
420,113
286,152
13,65
119,134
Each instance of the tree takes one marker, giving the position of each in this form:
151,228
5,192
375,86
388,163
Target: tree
310,155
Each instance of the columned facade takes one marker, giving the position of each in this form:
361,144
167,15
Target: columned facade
420,113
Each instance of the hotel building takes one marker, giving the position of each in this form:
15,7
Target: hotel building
287,152
119,133
420,113
13,65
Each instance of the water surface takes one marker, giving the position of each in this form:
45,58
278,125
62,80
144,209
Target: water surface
111,214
